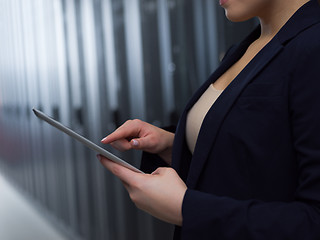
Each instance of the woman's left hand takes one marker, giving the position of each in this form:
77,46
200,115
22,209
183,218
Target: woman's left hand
160,193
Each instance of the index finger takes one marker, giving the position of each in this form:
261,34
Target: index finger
128,129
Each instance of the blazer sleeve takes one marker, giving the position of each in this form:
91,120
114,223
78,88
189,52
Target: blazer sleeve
227,218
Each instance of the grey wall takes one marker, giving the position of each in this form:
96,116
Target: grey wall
92,64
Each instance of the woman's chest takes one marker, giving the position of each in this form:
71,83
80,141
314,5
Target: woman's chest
230,74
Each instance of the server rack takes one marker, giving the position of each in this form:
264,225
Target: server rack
93,64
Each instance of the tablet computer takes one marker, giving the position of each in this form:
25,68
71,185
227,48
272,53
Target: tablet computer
84,140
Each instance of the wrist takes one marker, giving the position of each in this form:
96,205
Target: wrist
166,154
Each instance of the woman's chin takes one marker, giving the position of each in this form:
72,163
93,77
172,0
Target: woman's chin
236,17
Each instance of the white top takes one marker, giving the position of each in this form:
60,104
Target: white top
197,113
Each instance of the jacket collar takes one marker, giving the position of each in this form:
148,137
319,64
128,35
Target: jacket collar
305,17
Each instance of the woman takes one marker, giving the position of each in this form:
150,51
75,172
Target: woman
245,156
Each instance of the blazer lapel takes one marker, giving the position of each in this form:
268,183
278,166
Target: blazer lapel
219,110
231,59
179,149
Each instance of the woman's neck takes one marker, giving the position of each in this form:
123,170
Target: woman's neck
278,14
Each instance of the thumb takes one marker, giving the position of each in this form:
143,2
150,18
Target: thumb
161,170
135,143
142,143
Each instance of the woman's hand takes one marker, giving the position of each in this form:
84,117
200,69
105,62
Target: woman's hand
160,193
136,134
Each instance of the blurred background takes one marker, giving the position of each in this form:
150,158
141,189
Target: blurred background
92,64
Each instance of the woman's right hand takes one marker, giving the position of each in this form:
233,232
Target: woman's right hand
136,134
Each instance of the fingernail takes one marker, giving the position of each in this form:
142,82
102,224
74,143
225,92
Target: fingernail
135,142
104,139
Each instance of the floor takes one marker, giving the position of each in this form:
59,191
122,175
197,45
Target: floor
19,220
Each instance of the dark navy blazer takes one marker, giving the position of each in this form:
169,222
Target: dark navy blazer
255,171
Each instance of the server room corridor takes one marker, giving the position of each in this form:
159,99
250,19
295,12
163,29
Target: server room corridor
93,64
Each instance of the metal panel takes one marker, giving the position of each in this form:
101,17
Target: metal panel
21,97
134,58
166,64
33,99
93,117
115,197
79,160
137,94
200,48
49,188
123,112
112,81
64,115
24,130
58,143
81,203
212,32
151,62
